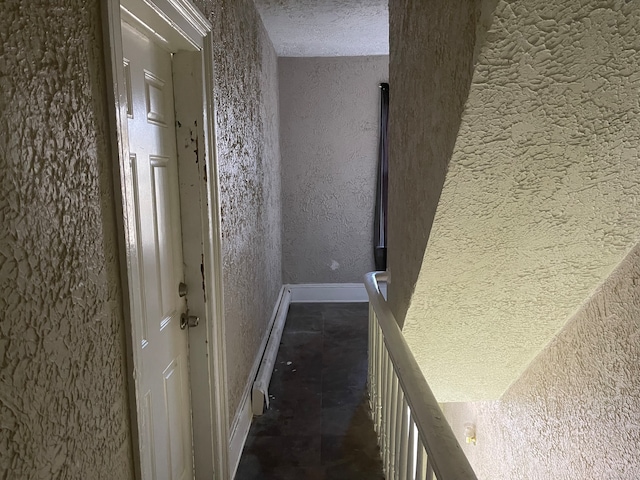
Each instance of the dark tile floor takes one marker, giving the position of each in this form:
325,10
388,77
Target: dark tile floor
318,424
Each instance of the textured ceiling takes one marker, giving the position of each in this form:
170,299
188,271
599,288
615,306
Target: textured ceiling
541,198
326,28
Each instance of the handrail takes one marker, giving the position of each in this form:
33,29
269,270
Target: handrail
443,450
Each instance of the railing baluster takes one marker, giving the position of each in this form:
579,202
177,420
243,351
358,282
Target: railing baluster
430,475
404,439
383,392
411,450
393,417
398,448
382,351
386,405
371,372
421,464
378,367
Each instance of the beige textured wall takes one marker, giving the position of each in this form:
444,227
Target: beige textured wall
540,200
246,100
575,412
329,132
63,396
431,63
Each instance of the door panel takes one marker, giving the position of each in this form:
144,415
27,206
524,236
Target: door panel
163,393
160,196
173,384
148,444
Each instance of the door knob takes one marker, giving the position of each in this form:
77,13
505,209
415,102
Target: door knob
188,321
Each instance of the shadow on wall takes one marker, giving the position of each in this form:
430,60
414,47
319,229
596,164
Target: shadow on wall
433,49
574,413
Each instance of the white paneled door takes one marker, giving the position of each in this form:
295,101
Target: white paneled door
162,376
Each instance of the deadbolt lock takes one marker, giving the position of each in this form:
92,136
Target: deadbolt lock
182,289
188,321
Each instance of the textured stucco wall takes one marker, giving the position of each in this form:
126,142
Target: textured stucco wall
431,64
330,109
246,102
540,200
63,396
575,412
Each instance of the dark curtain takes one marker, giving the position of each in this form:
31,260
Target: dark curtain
380,217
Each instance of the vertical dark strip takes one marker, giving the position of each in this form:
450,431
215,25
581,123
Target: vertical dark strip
380,217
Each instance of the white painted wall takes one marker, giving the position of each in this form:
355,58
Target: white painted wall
329,133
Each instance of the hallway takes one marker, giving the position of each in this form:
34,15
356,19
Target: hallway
317,425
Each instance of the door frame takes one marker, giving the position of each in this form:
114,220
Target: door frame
183,25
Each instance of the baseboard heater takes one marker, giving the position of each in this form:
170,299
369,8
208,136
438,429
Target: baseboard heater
260,392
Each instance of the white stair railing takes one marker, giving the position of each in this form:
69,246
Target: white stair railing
416,442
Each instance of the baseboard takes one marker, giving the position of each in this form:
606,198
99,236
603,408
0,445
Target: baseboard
239,435
329,292
260,390
242,419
